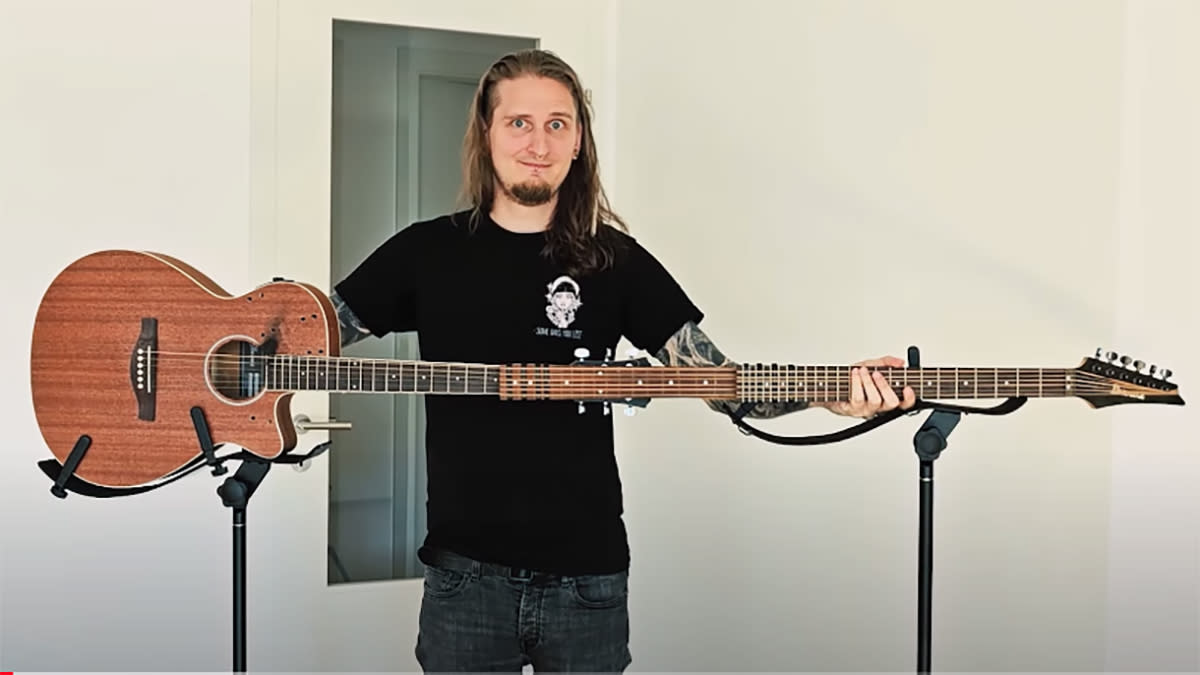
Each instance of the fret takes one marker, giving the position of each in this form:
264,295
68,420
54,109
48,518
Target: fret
408,377
420,379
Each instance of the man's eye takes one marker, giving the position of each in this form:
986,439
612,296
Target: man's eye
556,125
518,123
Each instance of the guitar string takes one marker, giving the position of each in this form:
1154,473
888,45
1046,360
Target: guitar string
764,382
599,387
292,369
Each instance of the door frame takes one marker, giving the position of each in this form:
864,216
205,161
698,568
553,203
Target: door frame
373,625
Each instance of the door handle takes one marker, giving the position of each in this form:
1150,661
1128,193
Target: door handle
304,424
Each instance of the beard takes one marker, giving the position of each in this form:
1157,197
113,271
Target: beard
529,193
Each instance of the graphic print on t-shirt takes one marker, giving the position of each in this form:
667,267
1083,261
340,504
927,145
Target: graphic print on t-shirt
563,299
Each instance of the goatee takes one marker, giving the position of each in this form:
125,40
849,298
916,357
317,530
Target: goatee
529,193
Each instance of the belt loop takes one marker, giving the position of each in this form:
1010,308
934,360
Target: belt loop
476,570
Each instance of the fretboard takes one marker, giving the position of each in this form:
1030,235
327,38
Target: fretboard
752,383
832,383
342,374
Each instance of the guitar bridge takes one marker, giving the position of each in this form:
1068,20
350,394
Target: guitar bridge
143,368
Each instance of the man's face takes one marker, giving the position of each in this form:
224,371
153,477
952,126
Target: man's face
533,136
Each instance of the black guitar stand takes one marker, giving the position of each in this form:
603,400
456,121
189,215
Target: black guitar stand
235,492
929,442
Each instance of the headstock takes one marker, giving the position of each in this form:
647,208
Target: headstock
631,404
1108,378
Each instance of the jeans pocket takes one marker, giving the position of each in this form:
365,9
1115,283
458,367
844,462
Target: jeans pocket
600,591
444,583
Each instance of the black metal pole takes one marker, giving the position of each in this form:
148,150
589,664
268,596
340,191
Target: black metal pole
925,569
235,493
239,590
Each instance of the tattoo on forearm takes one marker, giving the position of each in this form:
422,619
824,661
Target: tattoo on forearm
689,346
352,328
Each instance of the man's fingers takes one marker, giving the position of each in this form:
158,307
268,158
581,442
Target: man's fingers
871,390
856,388
889,396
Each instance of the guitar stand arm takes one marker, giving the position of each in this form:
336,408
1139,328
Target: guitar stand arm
67,472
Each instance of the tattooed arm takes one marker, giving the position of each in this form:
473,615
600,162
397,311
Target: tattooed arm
689,346
352,328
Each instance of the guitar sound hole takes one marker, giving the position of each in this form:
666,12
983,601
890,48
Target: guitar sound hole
235,370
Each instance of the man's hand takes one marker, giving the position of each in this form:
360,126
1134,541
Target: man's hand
870,394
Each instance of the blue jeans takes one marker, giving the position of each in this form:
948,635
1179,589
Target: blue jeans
477,617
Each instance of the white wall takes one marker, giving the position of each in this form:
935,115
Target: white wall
1024,177
1154,547
1007,183
125,125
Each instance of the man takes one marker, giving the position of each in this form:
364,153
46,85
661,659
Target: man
526,557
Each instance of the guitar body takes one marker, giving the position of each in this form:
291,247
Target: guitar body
88,376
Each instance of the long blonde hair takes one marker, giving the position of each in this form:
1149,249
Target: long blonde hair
576,237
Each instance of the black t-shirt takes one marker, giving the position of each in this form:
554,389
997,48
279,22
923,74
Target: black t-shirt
526,483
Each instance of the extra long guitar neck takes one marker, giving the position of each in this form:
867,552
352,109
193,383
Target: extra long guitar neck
612,382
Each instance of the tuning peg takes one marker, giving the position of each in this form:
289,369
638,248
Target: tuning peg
581,408
1099,352
1125,361
1166,373
607,408
1139,365
582,352
1111,356
608,353
1153,369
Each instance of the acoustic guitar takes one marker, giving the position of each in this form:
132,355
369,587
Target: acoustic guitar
126,345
